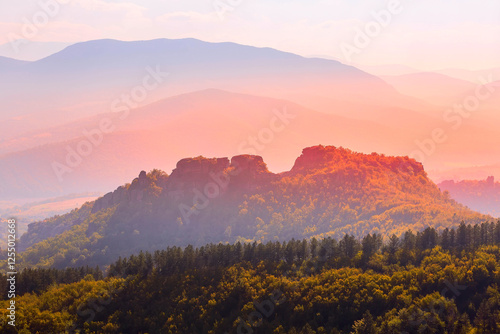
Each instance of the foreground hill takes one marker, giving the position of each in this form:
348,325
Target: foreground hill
425,282
479,195
329,192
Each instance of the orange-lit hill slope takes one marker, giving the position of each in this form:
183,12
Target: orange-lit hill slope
329,192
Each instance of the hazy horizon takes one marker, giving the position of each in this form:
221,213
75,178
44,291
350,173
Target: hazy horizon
446,37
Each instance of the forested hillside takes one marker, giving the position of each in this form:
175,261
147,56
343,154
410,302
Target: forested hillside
329,192
479,195
425,282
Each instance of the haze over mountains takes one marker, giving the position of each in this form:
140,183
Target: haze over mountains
210,121
434,87
214,100
29,50
97,72
470,75
482,196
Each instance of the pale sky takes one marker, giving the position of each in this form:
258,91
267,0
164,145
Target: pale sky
423,34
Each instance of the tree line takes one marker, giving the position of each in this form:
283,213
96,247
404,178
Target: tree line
420,282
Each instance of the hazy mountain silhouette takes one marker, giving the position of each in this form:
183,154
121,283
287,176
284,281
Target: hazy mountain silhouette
10,63
433,87
211,122
85,78
50,102
480,195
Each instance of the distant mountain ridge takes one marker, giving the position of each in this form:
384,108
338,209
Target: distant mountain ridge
6,62
49,103
329,192
210,121
479,195
97,72
435,87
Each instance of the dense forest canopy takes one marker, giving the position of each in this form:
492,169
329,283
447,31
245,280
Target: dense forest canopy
425,282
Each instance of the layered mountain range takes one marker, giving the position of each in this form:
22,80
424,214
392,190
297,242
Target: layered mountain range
85,78
90,116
